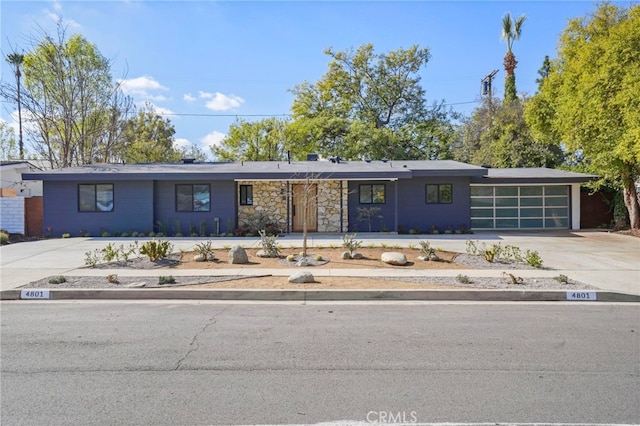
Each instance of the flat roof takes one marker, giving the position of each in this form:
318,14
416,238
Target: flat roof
532,175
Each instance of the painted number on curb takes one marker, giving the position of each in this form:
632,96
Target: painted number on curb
582,295
34,294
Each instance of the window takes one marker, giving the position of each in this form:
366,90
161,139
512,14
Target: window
95,197
372,194
439,194
246,195
193,198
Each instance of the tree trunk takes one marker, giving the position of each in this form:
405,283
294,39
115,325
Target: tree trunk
631,200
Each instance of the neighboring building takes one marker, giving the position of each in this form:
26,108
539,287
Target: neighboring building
20,201
337,196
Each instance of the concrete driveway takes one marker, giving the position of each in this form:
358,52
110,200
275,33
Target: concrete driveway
605,260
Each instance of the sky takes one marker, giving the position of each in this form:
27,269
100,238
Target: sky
205,64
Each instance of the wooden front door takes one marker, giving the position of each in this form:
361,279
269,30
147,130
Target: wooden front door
305,197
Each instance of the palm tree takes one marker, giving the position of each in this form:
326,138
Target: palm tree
16,60
510,32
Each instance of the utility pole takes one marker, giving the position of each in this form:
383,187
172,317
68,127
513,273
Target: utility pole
486,84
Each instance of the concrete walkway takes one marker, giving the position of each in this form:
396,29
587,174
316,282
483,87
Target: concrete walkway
605,260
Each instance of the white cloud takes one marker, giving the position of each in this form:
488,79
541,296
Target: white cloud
181,143
57,6
205,95
141,86
187,97
222,102
212,139
157,109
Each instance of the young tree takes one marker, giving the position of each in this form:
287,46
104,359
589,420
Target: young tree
591,99
370,105
74,109
148,138
8,148
511,31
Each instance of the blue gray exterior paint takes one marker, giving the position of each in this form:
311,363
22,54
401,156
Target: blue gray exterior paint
145,194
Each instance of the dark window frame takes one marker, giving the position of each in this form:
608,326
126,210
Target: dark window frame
96,209
439,197
193,200
246,196
371,193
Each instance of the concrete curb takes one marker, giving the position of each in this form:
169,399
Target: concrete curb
321,295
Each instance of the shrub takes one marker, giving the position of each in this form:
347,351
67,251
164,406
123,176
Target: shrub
269,243
66,235
113,279
92,258
166,280
4,238
512,279
318,258
533,259
105,235
110,252
350,243
563,279
426,250
204,249
57,280
463,279
291,258
156,249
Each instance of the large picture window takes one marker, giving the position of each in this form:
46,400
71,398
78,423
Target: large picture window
95,197
193,198
439,194
373,194
246,195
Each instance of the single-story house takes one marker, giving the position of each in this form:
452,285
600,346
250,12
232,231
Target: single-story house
330,196
20,201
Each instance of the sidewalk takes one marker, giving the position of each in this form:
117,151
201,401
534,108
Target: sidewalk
605,260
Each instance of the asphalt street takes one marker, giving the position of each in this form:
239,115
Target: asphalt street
83,363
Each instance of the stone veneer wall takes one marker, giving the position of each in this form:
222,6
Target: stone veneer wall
270,199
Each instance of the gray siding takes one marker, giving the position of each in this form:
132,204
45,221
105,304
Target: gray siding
223,207
133,209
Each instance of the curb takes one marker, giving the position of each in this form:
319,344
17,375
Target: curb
321,295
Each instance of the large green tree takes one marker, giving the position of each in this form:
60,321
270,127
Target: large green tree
511,31
148,138
497,135
74,110
370,105
591,99
264,140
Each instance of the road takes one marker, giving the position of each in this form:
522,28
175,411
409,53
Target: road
84,363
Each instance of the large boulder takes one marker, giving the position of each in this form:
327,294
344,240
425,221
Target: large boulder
394,258
238,255
301,278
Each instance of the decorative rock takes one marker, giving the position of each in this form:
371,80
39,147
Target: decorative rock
357,256
238,255
303,261
200,258
137,284
346,255
433,256
263,253
301,278
394,258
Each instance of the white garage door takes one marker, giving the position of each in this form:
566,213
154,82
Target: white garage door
519,207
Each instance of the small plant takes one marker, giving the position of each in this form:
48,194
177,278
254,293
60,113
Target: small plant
66,235
489,255
449,230
434,229
205,250
427,251
57,280
177,227
415,230
396,246
411,246
533,259
92,258
105,235
291,258
125,235
156,249
192,230
384,245
319,246
269,243
472,248
318,258
110,252
203,228
562,279
512,279
368,214
113,279
333,245
350,243
463,279
162,280
4,238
